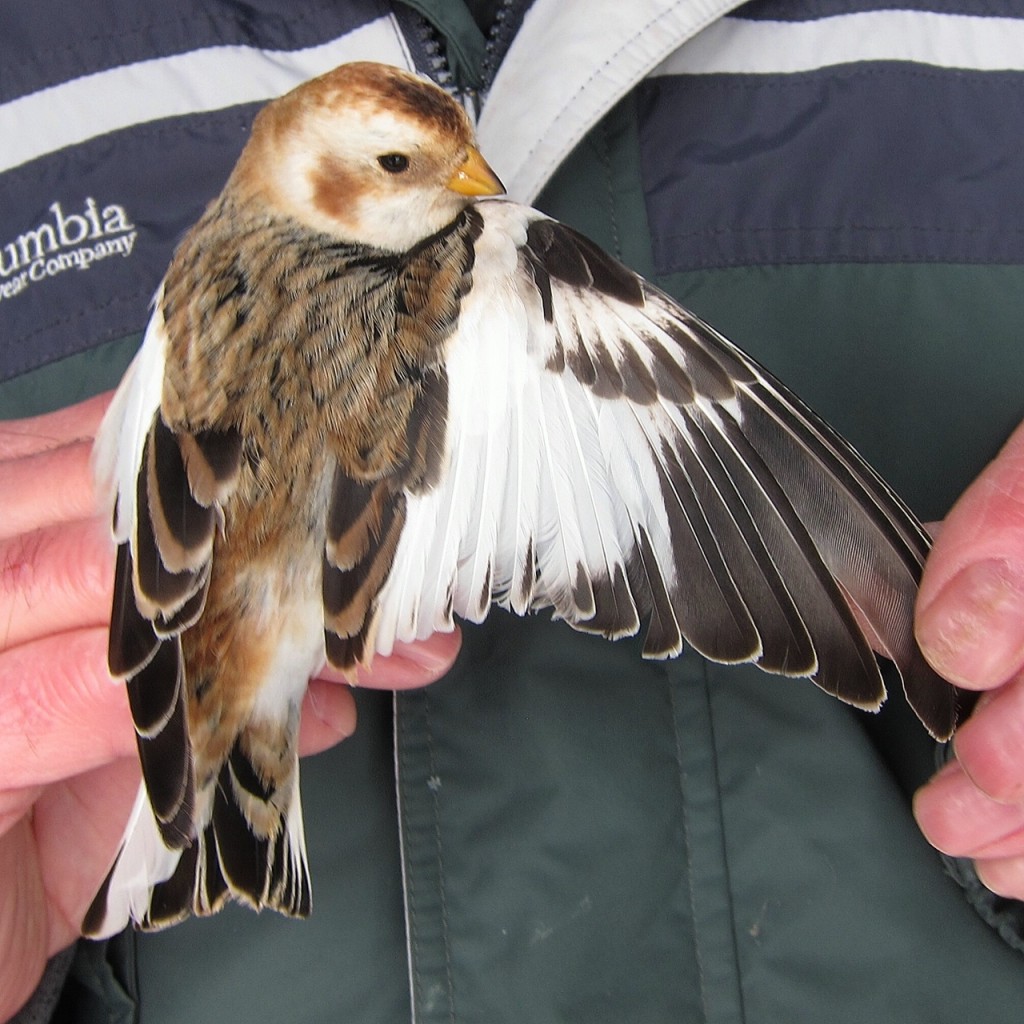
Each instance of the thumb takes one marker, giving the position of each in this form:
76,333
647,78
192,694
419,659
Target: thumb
970,609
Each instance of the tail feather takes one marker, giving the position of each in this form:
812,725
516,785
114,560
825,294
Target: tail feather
155,887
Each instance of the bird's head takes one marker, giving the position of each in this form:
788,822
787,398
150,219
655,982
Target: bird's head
366,153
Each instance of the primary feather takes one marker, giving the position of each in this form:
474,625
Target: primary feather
366,404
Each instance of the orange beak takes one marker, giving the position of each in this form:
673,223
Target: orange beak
475,177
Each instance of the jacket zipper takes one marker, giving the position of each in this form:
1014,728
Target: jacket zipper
432,51
429,48
507,20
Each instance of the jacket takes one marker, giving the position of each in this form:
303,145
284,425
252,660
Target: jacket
559,831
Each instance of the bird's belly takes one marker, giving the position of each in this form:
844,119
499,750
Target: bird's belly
260,638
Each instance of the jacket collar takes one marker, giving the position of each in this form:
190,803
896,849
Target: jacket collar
566,68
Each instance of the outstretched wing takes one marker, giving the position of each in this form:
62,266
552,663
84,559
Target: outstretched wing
611,456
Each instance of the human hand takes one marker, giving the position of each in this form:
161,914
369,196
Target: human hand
970,624
67,748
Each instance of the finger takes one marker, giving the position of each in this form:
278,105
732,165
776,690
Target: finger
328,716
78,827
970,613
52,864
60,712
79,422
989,744
55,579
411,664
1004,876
54,486
329,710
23,938
15,804
958,819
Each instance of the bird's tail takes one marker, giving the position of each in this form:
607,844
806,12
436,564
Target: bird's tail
250,847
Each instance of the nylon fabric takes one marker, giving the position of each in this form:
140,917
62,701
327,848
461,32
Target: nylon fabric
612,205
590,838
705,863
715,938
67,381
212,78
801,10
538,112
55,42
101,985
842,910
893,190
564,894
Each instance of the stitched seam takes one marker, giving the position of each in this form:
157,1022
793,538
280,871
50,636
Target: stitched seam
605,153
681,775
680,265
132,300
586,85
449,976
896,244
580,132
984,231
409,876
721,831
830,74
403,43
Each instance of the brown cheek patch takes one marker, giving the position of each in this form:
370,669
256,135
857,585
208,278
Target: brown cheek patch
336,190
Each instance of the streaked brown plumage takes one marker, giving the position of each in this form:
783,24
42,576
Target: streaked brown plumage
366,404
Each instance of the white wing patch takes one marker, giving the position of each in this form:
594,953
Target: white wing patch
125,427
547,484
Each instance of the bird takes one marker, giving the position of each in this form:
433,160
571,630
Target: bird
376,395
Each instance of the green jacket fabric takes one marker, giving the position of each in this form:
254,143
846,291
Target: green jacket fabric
559,831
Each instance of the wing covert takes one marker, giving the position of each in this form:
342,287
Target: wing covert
166,514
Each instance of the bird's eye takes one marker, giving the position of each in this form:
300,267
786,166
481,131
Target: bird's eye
394,163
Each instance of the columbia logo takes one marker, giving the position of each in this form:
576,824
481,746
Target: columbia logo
67,241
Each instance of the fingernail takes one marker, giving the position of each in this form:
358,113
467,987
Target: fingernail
973,631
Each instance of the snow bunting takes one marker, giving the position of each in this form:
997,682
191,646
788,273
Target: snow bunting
373,396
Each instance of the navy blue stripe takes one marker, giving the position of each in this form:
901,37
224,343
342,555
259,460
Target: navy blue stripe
809,10
866,162
161,175
51,41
